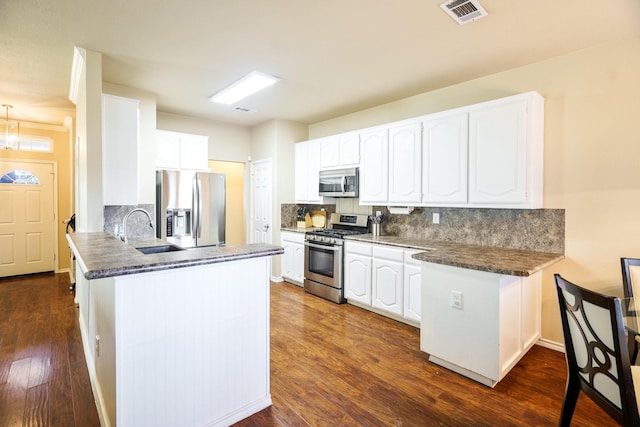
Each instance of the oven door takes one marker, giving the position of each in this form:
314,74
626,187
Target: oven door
323,263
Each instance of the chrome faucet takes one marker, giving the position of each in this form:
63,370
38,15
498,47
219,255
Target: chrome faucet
126,217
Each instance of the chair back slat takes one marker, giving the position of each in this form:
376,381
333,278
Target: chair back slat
596,352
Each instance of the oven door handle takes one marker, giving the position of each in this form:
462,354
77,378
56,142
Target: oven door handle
334,248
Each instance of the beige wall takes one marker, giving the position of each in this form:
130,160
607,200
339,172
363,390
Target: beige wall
62,156
235,199
276,140
592,147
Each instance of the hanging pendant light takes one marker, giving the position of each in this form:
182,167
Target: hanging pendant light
10,130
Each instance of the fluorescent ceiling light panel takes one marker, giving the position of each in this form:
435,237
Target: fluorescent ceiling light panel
248,85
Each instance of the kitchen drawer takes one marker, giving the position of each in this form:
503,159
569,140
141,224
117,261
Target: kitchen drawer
357,248
388,252
291,236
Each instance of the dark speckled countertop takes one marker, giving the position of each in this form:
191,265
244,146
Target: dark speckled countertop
102,255
513,262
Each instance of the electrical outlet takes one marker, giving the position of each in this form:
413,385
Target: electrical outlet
436,218
456,299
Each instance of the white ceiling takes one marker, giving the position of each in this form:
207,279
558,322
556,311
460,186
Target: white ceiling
334,56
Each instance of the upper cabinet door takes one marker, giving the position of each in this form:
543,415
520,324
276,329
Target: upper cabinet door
120,150
167,150
194,152
405,164
444,167
339,151
329,152
307,173
498,154
313,169
176,150
301,173
350,149
374,168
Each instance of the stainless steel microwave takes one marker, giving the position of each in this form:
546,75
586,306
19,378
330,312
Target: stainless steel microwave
339,183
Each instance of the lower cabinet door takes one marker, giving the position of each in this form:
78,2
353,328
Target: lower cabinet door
357,278
387,286
287,259
412,286
298,262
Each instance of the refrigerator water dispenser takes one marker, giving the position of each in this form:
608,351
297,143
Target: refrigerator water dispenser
178,222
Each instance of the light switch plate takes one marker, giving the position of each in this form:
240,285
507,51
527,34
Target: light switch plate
436,218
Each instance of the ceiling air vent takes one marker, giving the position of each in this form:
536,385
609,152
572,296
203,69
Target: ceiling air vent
244,110
463,11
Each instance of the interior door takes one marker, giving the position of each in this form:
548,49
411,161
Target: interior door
261,203
27,218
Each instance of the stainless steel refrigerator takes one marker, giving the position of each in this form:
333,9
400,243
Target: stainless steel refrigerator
191,208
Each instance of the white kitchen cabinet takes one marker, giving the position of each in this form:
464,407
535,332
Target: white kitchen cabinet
374,168
444,167
405,164
340,151
194,152
293,257
384,279
177,150
329,152
120,130
350,149
496,323
391,165
486,155
506,152
357,272
307,173
387,279
412,287
167,150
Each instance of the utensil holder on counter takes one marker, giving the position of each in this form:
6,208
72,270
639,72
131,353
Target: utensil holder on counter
375,229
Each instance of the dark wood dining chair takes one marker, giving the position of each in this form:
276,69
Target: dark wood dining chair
627,286
596,353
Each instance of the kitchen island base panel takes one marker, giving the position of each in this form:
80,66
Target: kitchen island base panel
495,323
185,346
462,371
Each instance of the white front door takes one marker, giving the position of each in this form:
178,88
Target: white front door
27,218
261,203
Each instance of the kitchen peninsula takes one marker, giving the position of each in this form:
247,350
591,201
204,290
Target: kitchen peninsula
174,338
480,305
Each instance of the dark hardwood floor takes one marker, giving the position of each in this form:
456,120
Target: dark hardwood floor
331,365
339,365
43,375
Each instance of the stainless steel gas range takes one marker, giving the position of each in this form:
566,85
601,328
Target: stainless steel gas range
324,256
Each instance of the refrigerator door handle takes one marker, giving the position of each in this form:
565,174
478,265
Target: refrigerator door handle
199,224
195,208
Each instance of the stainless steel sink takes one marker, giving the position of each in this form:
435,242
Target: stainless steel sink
159,249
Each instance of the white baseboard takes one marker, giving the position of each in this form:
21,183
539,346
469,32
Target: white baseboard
276,279
551,345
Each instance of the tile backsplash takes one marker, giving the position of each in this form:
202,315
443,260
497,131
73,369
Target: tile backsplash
289,211
137,225
541,230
